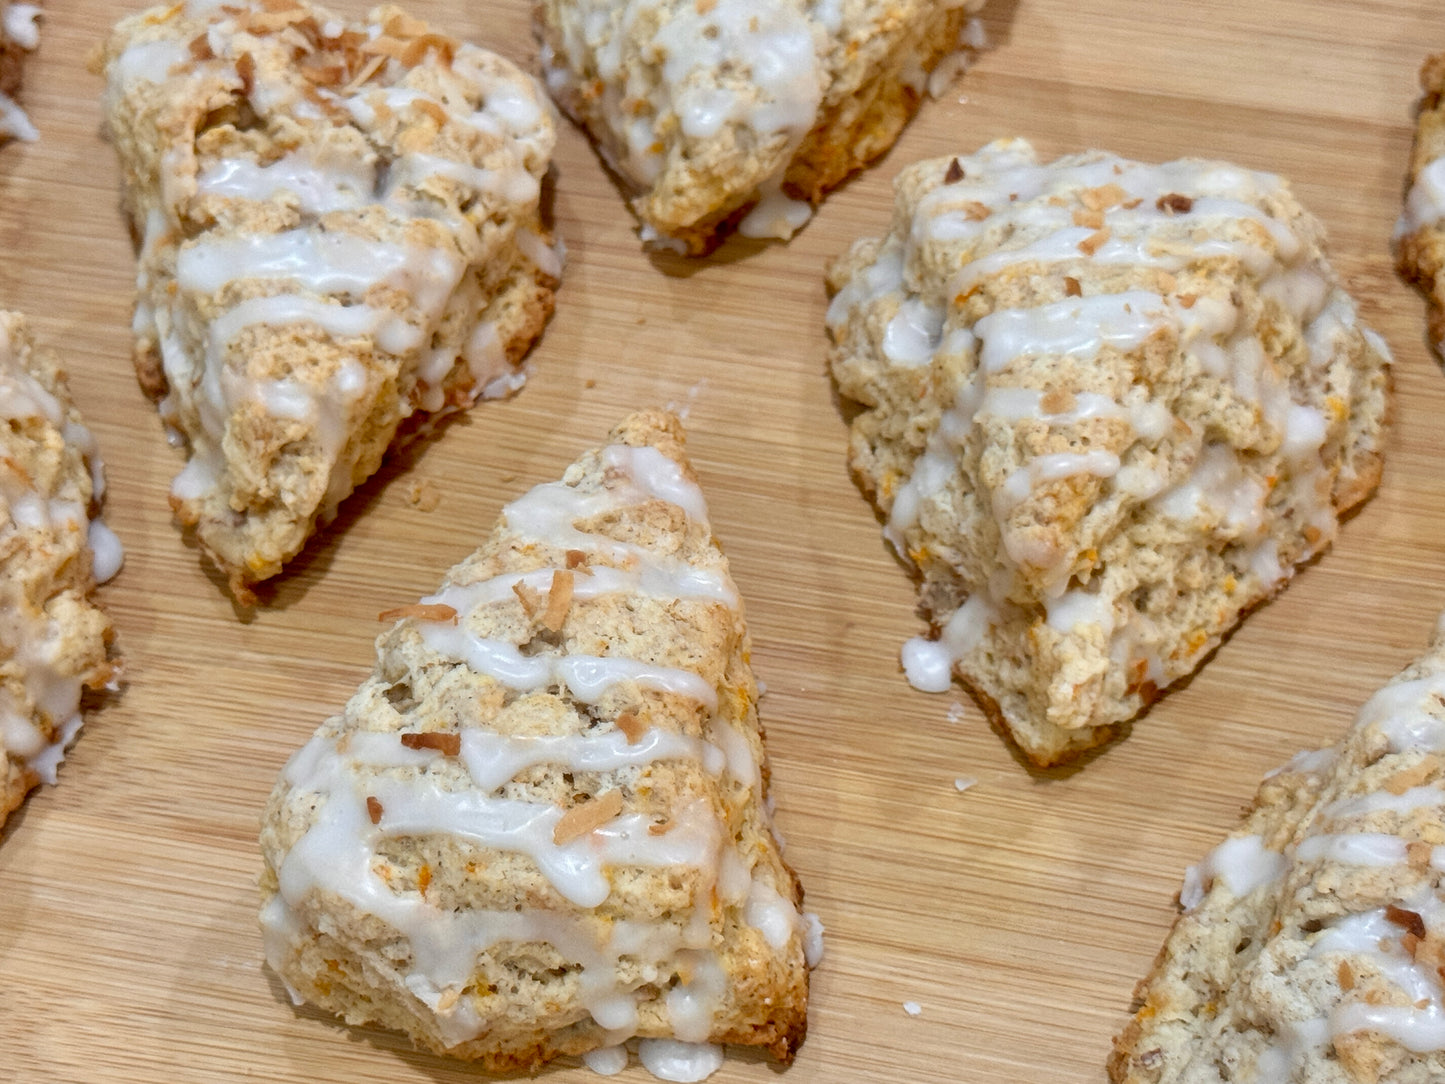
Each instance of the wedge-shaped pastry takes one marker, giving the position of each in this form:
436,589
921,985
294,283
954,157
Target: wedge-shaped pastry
19,35
1420,235
340,235
53,637
715,112
539,828
1105,408
1312,941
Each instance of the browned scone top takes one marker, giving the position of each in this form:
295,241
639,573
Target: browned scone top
1420,237
743,113
1311,946
340,236
540,827
53,636
1105,409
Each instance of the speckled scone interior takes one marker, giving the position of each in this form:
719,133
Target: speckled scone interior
1312,941
704,109
1105,408
19,35
340,236
53,637
539,828
1420,236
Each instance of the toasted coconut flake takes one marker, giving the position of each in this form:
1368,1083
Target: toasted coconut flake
268,22
246,69
660,828
450,996
447,743
975,211
531,600
433,109
373,810
1072,287
1410,921
371,67
1413,776
422,611
1091,244
423,878
1346,975
200,48
632,726
385,46
559,601
954,173
1103,197
1174,204
582,819
577,562
402,25
1085,217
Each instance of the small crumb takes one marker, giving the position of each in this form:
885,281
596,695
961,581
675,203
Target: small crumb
424,496
1072,287
762,689
589,383
373,810
954,173
912,1008
963,782
641,321
448,744
1174,204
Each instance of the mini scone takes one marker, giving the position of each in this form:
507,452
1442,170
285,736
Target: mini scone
1311,943
18,35
540,827
53,637
744,111
1104,409
340,239
1420,235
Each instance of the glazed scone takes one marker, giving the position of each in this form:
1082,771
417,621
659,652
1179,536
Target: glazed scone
19,35
1105,408
744,111
53,636
340,237
1420,235
540,827
1311,943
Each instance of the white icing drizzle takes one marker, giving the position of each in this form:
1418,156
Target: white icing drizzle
686,1063
417,796
1243,864
19,26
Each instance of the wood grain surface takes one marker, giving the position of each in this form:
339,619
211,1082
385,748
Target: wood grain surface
1018,914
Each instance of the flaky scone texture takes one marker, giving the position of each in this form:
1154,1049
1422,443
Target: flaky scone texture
744,112
53,636
1312,941
19,35
340,237
1105,408
1420,235
539,827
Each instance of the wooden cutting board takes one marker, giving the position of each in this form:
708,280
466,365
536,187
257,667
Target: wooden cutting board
1018,914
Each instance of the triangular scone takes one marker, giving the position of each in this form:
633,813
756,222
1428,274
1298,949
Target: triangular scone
1420,235
1106,408
53,636
19,35
704,109
340,232
540,827
1312,941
